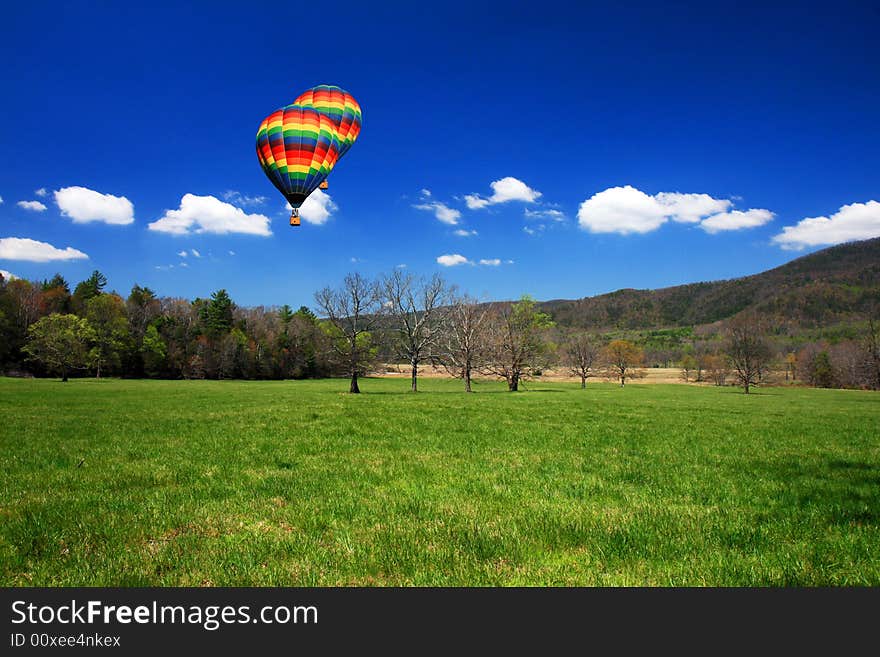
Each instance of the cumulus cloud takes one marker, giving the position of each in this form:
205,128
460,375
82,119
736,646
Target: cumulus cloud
691,208
627,210
207,214
553,215
42,192
7,276
504,190
318,208
491,262
856,221
33,206
461,232
623,210
736,220
452,259
236,197
84,205
22,248
441,211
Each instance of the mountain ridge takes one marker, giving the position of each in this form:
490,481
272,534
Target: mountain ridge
833,285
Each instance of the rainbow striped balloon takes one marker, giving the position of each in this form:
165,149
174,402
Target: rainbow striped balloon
299,145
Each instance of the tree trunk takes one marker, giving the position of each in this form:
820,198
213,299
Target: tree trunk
513,382
415,374
354,384
467,378
583,382
622,379
98,372
746,387
63,375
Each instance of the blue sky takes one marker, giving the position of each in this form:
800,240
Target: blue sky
639,146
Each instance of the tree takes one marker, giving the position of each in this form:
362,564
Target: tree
872,347
688,365
106,315
418,310
216,314
352,312
517,343
61,343
87,289
153,350
580,353
622,358
716,366
56,296
790,366
747,349
820,371
464,343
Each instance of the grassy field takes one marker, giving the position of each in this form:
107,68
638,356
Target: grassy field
137,483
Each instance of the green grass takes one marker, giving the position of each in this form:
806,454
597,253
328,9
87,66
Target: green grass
139,483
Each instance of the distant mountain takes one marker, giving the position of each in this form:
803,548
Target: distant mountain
830,286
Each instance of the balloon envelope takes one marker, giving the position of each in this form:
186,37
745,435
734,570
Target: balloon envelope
299,145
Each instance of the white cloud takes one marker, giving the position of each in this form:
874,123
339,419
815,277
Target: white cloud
318,208
183,264
22,248
426,193
690,208
626,210
182,254
7,276
232,253
461,232
402,265
736,220
491,262
195,253
504,190
452,259
34,206
554,215
442,211
623,210
856,221
84,205
164,267
1,200
207,214
41,192
236,197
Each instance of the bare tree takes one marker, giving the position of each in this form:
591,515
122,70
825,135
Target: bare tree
418,307
463,348
623,359
352,311
872,346
580,353
748,350
716,366
517,344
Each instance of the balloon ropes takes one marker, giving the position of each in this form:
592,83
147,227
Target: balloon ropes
298,145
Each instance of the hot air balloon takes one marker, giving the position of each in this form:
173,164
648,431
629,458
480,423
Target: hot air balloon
298,145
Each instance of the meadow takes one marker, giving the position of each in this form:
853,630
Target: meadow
297,483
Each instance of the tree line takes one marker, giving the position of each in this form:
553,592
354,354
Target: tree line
355,327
